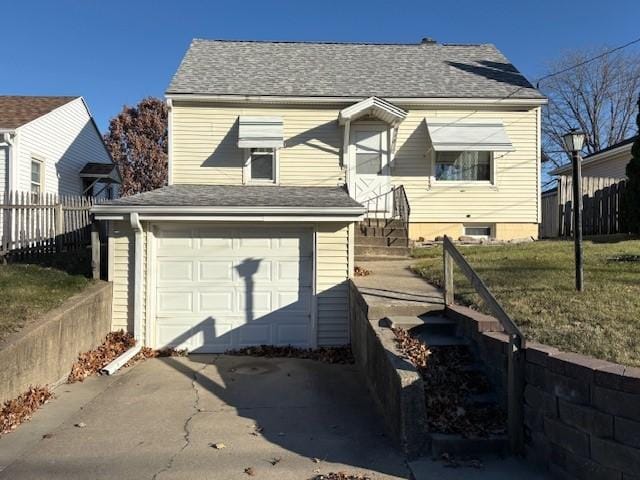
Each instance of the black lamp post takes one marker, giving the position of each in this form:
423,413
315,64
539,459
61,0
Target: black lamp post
573,142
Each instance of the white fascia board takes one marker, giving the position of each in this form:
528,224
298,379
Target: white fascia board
251,218
439,101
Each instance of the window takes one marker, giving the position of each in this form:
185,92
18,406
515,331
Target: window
465,166
36,176
477,231
262,165
368,147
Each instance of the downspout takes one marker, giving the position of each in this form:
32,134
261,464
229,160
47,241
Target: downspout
136,226
345,156
8,137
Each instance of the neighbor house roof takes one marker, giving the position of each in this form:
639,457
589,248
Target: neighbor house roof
17,110
251,196
599,155
425,70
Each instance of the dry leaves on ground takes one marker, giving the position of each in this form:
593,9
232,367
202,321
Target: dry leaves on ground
250,471
361,271
91,362
340,355
115,344
340,476
19,410
414,349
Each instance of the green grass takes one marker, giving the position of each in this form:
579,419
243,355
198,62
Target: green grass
535,284
27,291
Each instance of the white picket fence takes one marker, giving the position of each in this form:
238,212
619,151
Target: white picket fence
41,223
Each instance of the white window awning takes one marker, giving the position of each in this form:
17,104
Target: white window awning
458,135
260,132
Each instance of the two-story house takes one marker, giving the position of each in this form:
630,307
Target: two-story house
279,150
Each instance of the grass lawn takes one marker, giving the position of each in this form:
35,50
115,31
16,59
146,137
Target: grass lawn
535,284
27,291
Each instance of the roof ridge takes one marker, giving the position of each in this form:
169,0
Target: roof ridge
330,42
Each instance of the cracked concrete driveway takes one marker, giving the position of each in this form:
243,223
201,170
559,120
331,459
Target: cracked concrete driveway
283,418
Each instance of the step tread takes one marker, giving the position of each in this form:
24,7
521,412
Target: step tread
410,322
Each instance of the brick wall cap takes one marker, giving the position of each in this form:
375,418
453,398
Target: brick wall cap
575,365
538,353
470,313
500,336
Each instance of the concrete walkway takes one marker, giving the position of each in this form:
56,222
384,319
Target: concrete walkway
157,420
393,289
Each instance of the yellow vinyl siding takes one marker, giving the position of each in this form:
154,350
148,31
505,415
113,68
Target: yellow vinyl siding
205,148
332,255
205,152
122,276
513,197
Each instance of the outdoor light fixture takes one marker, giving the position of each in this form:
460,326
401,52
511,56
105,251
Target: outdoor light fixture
573,142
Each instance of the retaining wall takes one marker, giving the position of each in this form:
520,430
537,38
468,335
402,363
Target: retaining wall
395,384
581,414
43,352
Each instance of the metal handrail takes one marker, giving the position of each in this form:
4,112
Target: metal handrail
401,208
515,353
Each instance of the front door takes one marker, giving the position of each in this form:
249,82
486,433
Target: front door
370,160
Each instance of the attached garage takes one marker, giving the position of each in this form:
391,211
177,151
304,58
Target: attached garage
229,287
190,273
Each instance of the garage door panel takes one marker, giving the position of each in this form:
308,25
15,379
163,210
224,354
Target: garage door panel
219,302
215,270
232,287
174,302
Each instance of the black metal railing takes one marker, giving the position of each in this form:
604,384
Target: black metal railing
401,209
390,205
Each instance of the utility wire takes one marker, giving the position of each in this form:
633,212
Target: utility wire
585,62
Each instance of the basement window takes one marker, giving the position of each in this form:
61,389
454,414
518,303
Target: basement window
477,231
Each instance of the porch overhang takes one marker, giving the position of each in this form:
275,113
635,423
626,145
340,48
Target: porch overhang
374,107
457,135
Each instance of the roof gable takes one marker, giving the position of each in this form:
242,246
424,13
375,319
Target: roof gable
429,70
18,110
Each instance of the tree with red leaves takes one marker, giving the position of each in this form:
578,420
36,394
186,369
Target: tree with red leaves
137,141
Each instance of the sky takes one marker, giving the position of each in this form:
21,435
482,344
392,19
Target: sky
116,52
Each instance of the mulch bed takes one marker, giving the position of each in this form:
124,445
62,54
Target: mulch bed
19,410
336,355
448,383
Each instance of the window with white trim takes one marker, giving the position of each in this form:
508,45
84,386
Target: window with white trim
466,166
36,175
262,165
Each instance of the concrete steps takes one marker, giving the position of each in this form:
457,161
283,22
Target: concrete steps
442,443
376,237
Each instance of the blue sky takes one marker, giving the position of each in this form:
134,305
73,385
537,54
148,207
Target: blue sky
115,52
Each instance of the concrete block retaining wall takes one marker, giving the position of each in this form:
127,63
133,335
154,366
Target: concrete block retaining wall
43,352
395,384
581,414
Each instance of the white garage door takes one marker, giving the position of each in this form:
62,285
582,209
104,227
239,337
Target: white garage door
224,288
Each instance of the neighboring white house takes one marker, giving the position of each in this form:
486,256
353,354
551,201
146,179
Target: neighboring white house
610,162
52,145
279,150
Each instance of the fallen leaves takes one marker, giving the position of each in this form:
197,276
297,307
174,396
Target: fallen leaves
91,362
274,461
361,271
19,410
340,476
218,446
250,471
80,425
115,344
335,355
413,348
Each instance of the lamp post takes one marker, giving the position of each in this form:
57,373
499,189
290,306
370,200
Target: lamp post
573,142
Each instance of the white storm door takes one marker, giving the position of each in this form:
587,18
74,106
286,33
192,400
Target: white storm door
222,288
370,157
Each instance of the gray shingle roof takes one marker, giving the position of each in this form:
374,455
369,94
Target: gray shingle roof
219,67
240,196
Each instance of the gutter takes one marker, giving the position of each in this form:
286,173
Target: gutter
121,360
528,102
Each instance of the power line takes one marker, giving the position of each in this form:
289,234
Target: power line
585,62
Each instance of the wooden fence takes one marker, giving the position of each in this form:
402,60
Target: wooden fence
36,224
601,197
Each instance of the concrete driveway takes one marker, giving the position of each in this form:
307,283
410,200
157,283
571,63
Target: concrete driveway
282,418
